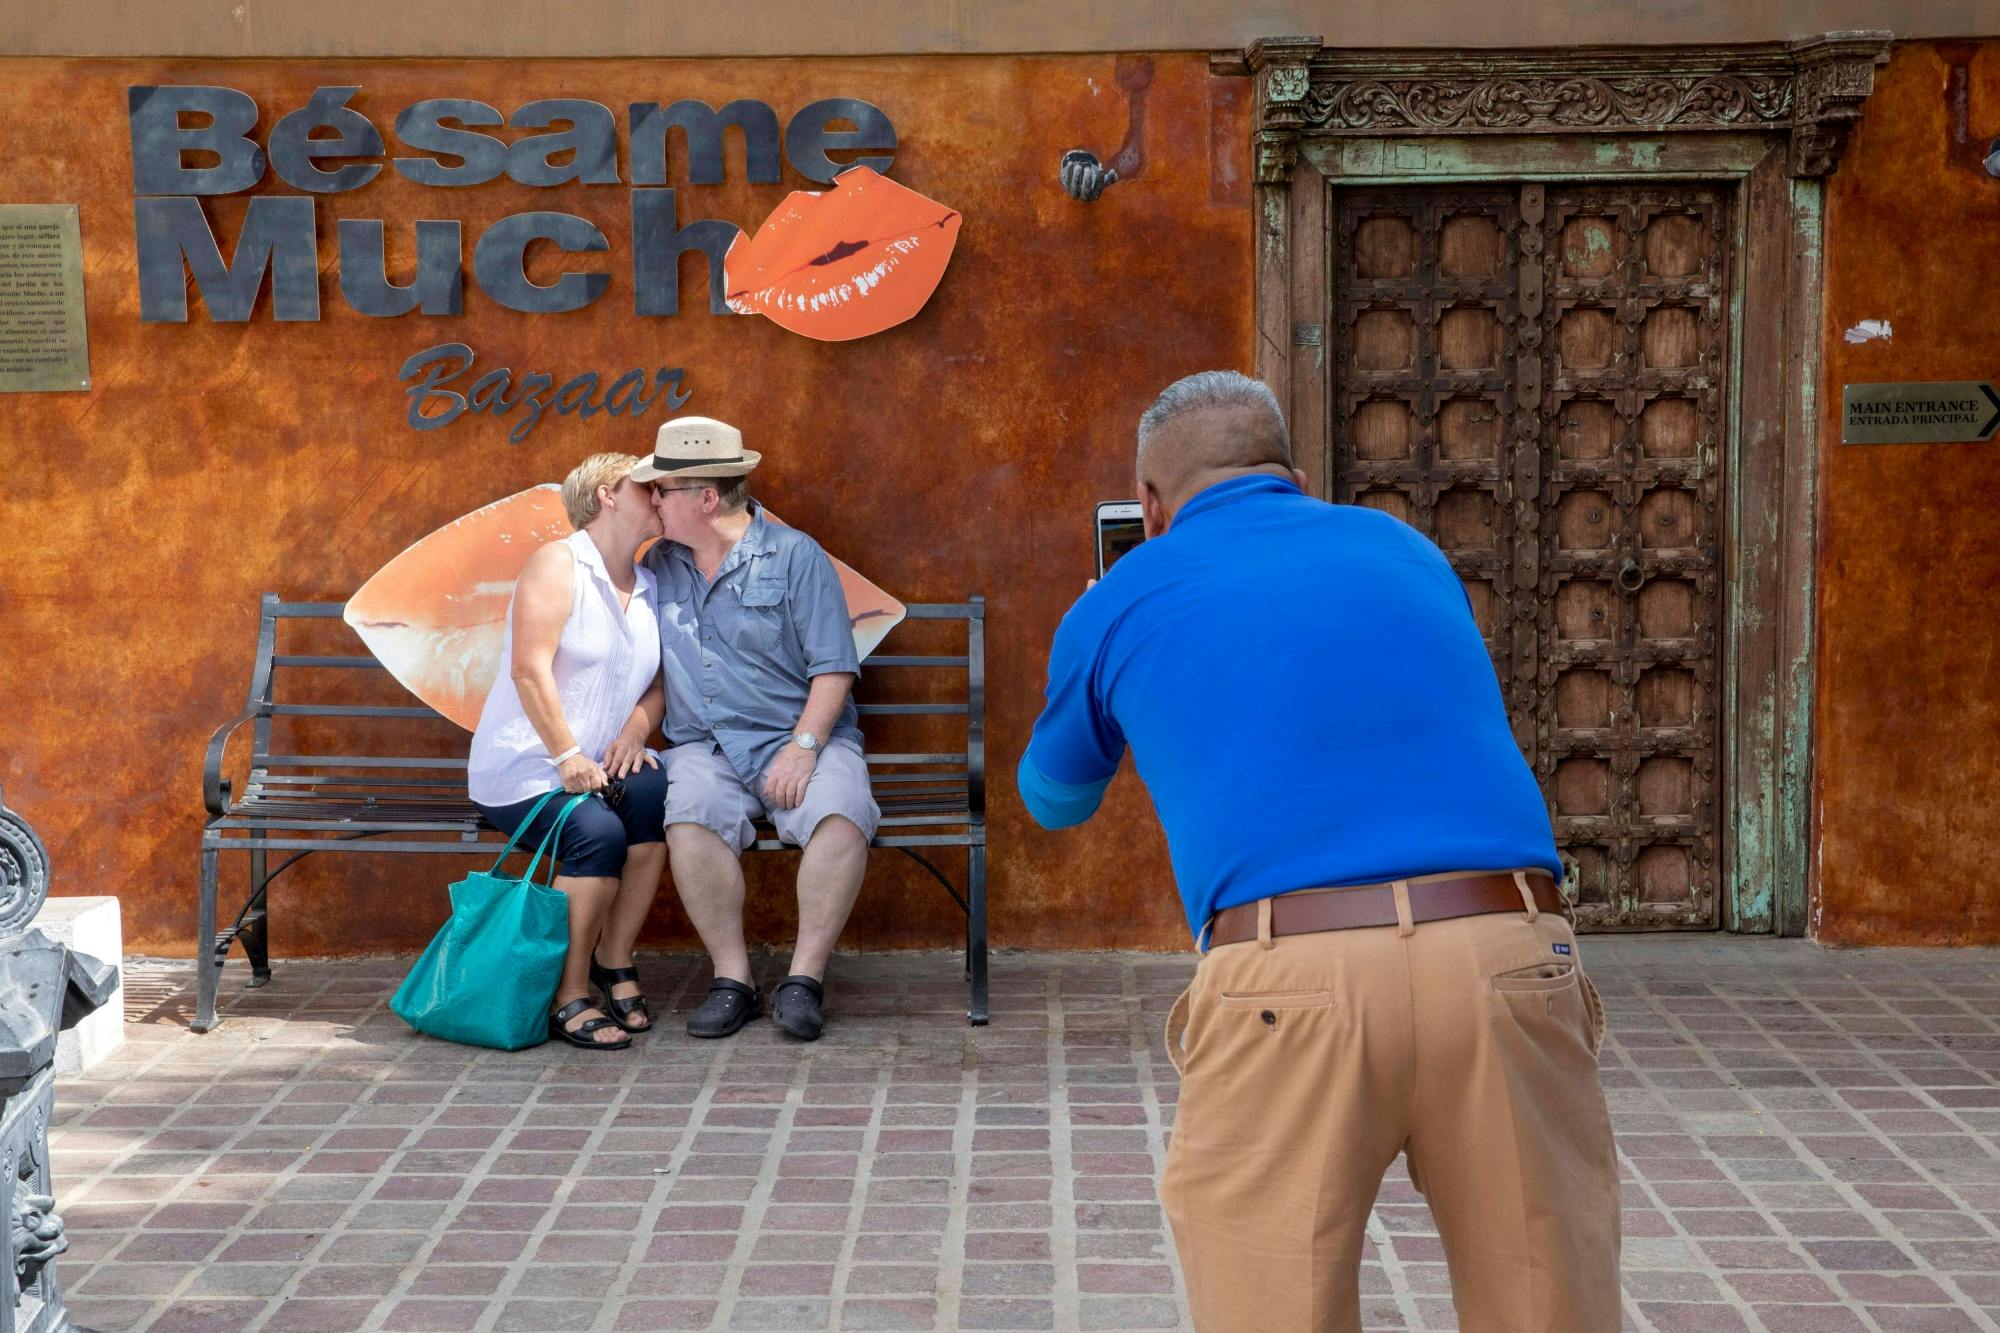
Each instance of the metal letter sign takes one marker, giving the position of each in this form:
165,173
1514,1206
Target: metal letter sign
1943,413
873,239
279,235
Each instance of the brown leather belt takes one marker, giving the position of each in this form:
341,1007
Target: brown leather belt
1310,910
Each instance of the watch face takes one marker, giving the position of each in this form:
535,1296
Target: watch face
807,741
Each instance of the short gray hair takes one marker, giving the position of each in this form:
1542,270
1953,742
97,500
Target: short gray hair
732,493
1214,389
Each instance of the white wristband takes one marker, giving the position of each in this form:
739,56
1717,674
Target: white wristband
567,755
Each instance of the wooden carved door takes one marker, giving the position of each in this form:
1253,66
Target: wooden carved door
1534,378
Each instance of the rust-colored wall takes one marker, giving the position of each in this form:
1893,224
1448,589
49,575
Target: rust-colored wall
1908,763
960,452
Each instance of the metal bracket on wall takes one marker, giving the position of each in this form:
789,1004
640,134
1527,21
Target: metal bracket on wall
1083,176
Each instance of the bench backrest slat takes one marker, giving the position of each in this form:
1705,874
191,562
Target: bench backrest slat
318,761
295,660
909,710
349,710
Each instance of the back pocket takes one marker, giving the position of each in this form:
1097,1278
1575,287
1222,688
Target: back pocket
1538,977
1275,999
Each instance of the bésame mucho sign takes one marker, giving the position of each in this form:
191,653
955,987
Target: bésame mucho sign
836,264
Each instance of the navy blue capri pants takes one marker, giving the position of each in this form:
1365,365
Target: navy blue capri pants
593,842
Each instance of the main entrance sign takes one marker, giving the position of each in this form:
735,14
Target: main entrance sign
1948,412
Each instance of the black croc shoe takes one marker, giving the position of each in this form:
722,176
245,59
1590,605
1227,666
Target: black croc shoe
622,1011
730,1004
584,1033
795,1007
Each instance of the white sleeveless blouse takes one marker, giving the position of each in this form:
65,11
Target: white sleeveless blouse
606,659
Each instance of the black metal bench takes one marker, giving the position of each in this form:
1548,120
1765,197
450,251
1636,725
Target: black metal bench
333,770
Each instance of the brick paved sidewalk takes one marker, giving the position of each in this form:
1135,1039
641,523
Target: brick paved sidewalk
1809,1141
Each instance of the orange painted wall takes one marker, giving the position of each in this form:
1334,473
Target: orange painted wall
1907,772
960,452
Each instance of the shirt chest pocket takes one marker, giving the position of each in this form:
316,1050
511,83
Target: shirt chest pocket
761,628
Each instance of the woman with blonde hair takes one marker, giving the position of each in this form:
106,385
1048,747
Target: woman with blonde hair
573,711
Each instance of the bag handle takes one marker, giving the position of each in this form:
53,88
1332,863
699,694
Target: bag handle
526,820
549,838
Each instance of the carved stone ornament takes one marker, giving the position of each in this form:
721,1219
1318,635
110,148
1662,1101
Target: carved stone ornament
36,1230
1276,155
1288,83
24,873
1564,103
1811,90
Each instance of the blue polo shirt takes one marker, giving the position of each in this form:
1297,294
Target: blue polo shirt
1307,698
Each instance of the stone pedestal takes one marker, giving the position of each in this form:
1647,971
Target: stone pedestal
88,926
46,990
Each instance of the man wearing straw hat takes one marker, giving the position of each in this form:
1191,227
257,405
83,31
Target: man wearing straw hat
759,660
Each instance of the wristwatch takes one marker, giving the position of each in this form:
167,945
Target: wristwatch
805,740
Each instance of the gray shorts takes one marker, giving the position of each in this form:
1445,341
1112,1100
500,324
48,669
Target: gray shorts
703,789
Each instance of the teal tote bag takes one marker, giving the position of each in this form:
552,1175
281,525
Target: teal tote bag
489,975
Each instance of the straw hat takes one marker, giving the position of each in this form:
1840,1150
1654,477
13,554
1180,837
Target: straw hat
697,447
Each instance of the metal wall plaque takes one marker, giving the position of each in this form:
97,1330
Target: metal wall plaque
1916,413
42,341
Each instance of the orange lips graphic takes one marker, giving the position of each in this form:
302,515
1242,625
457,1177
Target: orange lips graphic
851,261
436,615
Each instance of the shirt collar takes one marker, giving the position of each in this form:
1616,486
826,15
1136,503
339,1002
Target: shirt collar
593,559
1225,493
756,540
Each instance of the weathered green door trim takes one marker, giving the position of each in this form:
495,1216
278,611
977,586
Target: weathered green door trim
1791,860
1332,119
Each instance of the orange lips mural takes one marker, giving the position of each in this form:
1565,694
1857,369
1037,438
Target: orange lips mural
844,263
436,615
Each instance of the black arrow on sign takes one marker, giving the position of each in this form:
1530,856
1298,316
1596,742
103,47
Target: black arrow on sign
1986,430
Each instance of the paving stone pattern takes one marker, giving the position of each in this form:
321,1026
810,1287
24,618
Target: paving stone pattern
1808,1140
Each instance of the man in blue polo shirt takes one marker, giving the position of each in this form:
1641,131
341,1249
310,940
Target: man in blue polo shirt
1367,861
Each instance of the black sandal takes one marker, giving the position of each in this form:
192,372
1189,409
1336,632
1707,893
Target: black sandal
583,1034
621,1011
730,1004
795,1005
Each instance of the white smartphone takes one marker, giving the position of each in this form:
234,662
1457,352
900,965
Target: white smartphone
1120,527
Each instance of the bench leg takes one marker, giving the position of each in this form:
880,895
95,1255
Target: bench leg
256,932
207,966
255,938
975,933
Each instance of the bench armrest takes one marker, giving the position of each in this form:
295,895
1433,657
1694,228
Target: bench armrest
215,789
975,781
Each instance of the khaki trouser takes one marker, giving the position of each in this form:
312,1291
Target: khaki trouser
1309,1061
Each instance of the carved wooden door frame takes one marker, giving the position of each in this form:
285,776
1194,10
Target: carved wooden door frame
1767,122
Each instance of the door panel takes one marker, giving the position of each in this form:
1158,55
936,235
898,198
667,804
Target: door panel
1534,378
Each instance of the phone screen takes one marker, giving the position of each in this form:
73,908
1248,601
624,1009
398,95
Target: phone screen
1116,536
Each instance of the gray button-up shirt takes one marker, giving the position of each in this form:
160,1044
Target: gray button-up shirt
739,653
